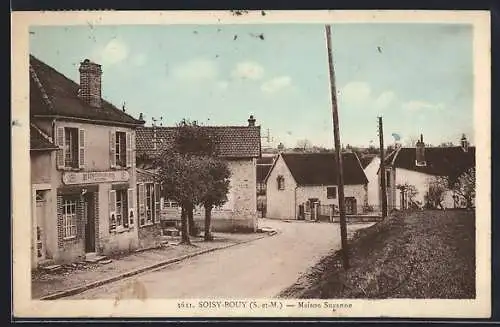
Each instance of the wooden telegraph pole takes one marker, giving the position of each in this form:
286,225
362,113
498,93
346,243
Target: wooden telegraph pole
336,136
382,168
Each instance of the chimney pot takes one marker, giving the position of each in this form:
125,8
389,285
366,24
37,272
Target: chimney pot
90,83
251,121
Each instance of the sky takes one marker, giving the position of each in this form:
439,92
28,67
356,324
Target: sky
418,77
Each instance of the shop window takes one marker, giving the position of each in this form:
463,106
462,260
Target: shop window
121,214
331,192
69,218
150,203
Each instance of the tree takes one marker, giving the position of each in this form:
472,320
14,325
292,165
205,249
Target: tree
464,186
217,182
408,194
304,145
194,140
182,177
435,195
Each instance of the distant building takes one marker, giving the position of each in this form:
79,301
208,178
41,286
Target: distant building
264,165
82,167
420,165
298,183
241,147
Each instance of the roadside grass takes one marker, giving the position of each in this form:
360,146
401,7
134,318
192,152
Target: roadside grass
422,254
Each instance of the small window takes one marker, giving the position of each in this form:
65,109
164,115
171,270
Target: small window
281,182
71,147
331,192
121,149
69,218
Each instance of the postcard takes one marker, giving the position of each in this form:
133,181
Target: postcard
251,164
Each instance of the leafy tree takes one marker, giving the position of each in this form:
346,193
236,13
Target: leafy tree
192,139
217,182
463,185
182,177
435,195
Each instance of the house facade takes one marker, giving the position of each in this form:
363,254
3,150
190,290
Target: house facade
87,184
240,147
371,166
419,167
300,184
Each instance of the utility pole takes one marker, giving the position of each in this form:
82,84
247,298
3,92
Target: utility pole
382,168
336,136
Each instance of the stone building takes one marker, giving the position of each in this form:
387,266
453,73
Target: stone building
82,167
240,147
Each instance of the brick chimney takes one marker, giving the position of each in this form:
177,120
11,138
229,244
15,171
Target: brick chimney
251,121
90,83
420,152
464,143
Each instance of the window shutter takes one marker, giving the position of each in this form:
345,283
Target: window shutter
134,151
131,209
81,148
60,143
112,148
112,210
157,203
128,141
141,193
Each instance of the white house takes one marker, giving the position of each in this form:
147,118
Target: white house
299,183
419,166
371,166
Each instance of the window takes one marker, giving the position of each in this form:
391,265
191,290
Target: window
121,208
150,205
121,149
69,218
281,182
331,192
71,147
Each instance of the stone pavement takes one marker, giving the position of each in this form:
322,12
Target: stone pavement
47,284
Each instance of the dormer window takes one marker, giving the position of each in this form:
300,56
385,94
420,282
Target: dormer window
281,182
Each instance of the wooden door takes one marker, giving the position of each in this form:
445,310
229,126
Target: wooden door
41,211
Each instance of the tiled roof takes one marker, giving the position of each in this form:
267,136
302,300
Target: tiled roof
232,141
39,141
53,94
440,161
321,168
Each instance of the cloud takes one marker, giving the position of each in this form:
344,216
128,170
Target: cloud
248,70
360,94
276,84
416,105
195,70
222,85
113,52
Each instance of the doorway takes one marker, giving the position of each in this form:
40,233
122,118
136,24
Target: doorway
40,214
89,212
351,206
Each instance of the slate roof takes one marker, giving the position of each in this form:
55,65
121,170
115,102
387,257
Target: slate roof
309,169
440,161
54,95
232,141
262,171
39,141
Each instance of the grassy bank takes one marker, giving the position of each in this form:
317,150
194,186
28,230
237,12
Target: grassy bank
424,254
